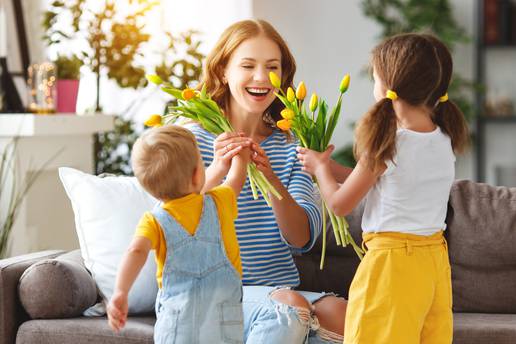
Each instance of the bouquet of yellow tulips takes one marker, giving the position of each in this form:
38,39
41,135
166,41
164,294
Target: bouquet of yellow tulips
199,107
315,132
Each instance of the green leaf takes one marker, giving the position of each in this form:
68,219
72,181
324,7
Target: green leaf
332,122
320,125
283,100
203,91
173,91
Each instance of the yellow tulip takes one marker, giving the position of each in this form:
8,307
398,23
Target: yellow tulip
287,113
313,102
344,84
275,80
284,124
188,94
291,96
301,91
154,121
155,79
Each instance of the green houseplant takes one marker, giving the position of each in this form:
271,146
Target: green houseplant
111,33
68,75
181,65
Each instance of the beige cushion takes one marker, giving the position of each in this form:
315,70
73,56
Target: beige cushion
56,288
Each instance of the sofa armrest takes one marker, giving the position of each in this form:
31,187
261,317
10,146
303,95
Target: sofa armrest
12,313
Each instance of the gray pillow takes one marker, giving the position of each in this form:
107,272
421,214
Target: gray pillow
481,239
56,288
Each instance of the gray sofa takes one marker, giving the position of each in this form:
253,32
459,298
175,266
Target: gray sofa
482,244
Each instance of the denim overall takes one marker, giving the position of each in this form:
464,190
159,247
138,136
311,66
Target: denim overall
201,296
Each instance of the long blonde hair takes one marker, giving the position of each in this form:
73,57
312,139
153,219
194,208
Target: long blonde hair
231,38
407,64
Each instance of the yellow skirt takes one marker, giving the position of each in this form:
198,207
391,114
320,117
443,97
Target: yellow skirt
401,292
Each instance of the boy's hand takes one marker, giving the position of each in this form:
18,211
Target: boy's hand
226,146
312,160
244,155
117,311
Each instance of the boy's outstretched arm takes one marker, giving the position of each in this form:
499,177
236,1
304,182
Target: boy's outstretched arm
238,171
130,266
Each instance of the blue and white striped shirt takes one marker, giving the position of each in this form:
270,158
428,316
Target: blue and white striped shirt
266,255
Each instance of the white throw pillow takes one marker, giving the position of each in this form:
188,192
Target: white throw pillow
107,211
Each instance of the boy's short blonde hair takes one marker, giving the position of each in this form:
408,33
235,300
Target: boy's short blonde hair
164,160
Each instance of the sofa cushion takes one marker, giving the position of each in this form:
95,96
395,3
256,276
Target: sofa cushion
475,328
11,311
107,211
481,237
56,288
85,330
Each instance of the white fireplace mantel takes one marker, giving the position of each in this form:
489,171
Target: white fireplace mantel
29,125
45,219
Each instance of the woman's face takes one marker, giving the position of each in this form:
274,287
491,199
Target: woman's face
379,88
247,74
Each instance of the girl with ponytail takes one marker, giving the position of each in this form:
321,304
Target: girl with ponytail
405,145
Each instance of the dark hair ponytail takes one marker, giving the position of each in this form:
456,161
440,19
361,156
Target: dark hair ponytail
446,114
376,135
450,119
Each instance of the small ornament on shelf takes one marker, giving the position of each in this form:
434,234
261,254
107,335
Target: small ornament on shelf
42,88
499,103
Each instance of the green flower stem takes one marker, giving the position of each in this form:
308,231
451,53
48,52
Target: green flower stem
335,226
251,182
343,236
323,251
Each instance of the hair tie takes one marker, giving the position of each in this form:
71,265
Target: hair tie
443,98
391,95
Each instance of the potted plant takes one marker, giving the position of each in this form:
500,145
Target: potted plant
68,74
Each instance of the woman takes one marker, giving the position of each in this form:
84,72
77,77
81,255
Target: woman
236,76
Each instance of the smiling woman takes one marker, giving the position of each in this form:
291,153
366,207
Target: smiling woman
236,75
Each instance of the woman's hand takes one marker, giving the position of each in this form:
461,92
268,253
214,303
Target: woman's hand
312,160
261,160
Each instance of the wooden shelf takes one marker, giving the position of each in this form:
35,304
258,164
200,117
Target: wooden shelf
483,52
499,119
499,45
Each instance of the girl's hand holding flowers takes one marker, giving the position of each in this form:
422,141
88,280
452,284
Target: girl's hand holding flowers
313,160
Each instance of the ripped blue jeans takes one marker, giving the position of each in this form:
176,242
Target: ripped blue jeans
271,322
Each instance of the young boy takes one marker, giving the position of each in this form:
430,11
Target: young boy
198,260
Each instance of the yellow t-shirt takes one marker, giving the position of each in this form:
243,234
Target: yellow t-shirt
187,211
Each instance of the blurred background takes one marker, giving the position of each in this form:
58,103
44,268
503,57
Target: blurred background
110,45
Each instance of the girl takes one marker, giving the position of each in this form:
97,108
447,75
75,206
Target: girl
237,76
401,292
